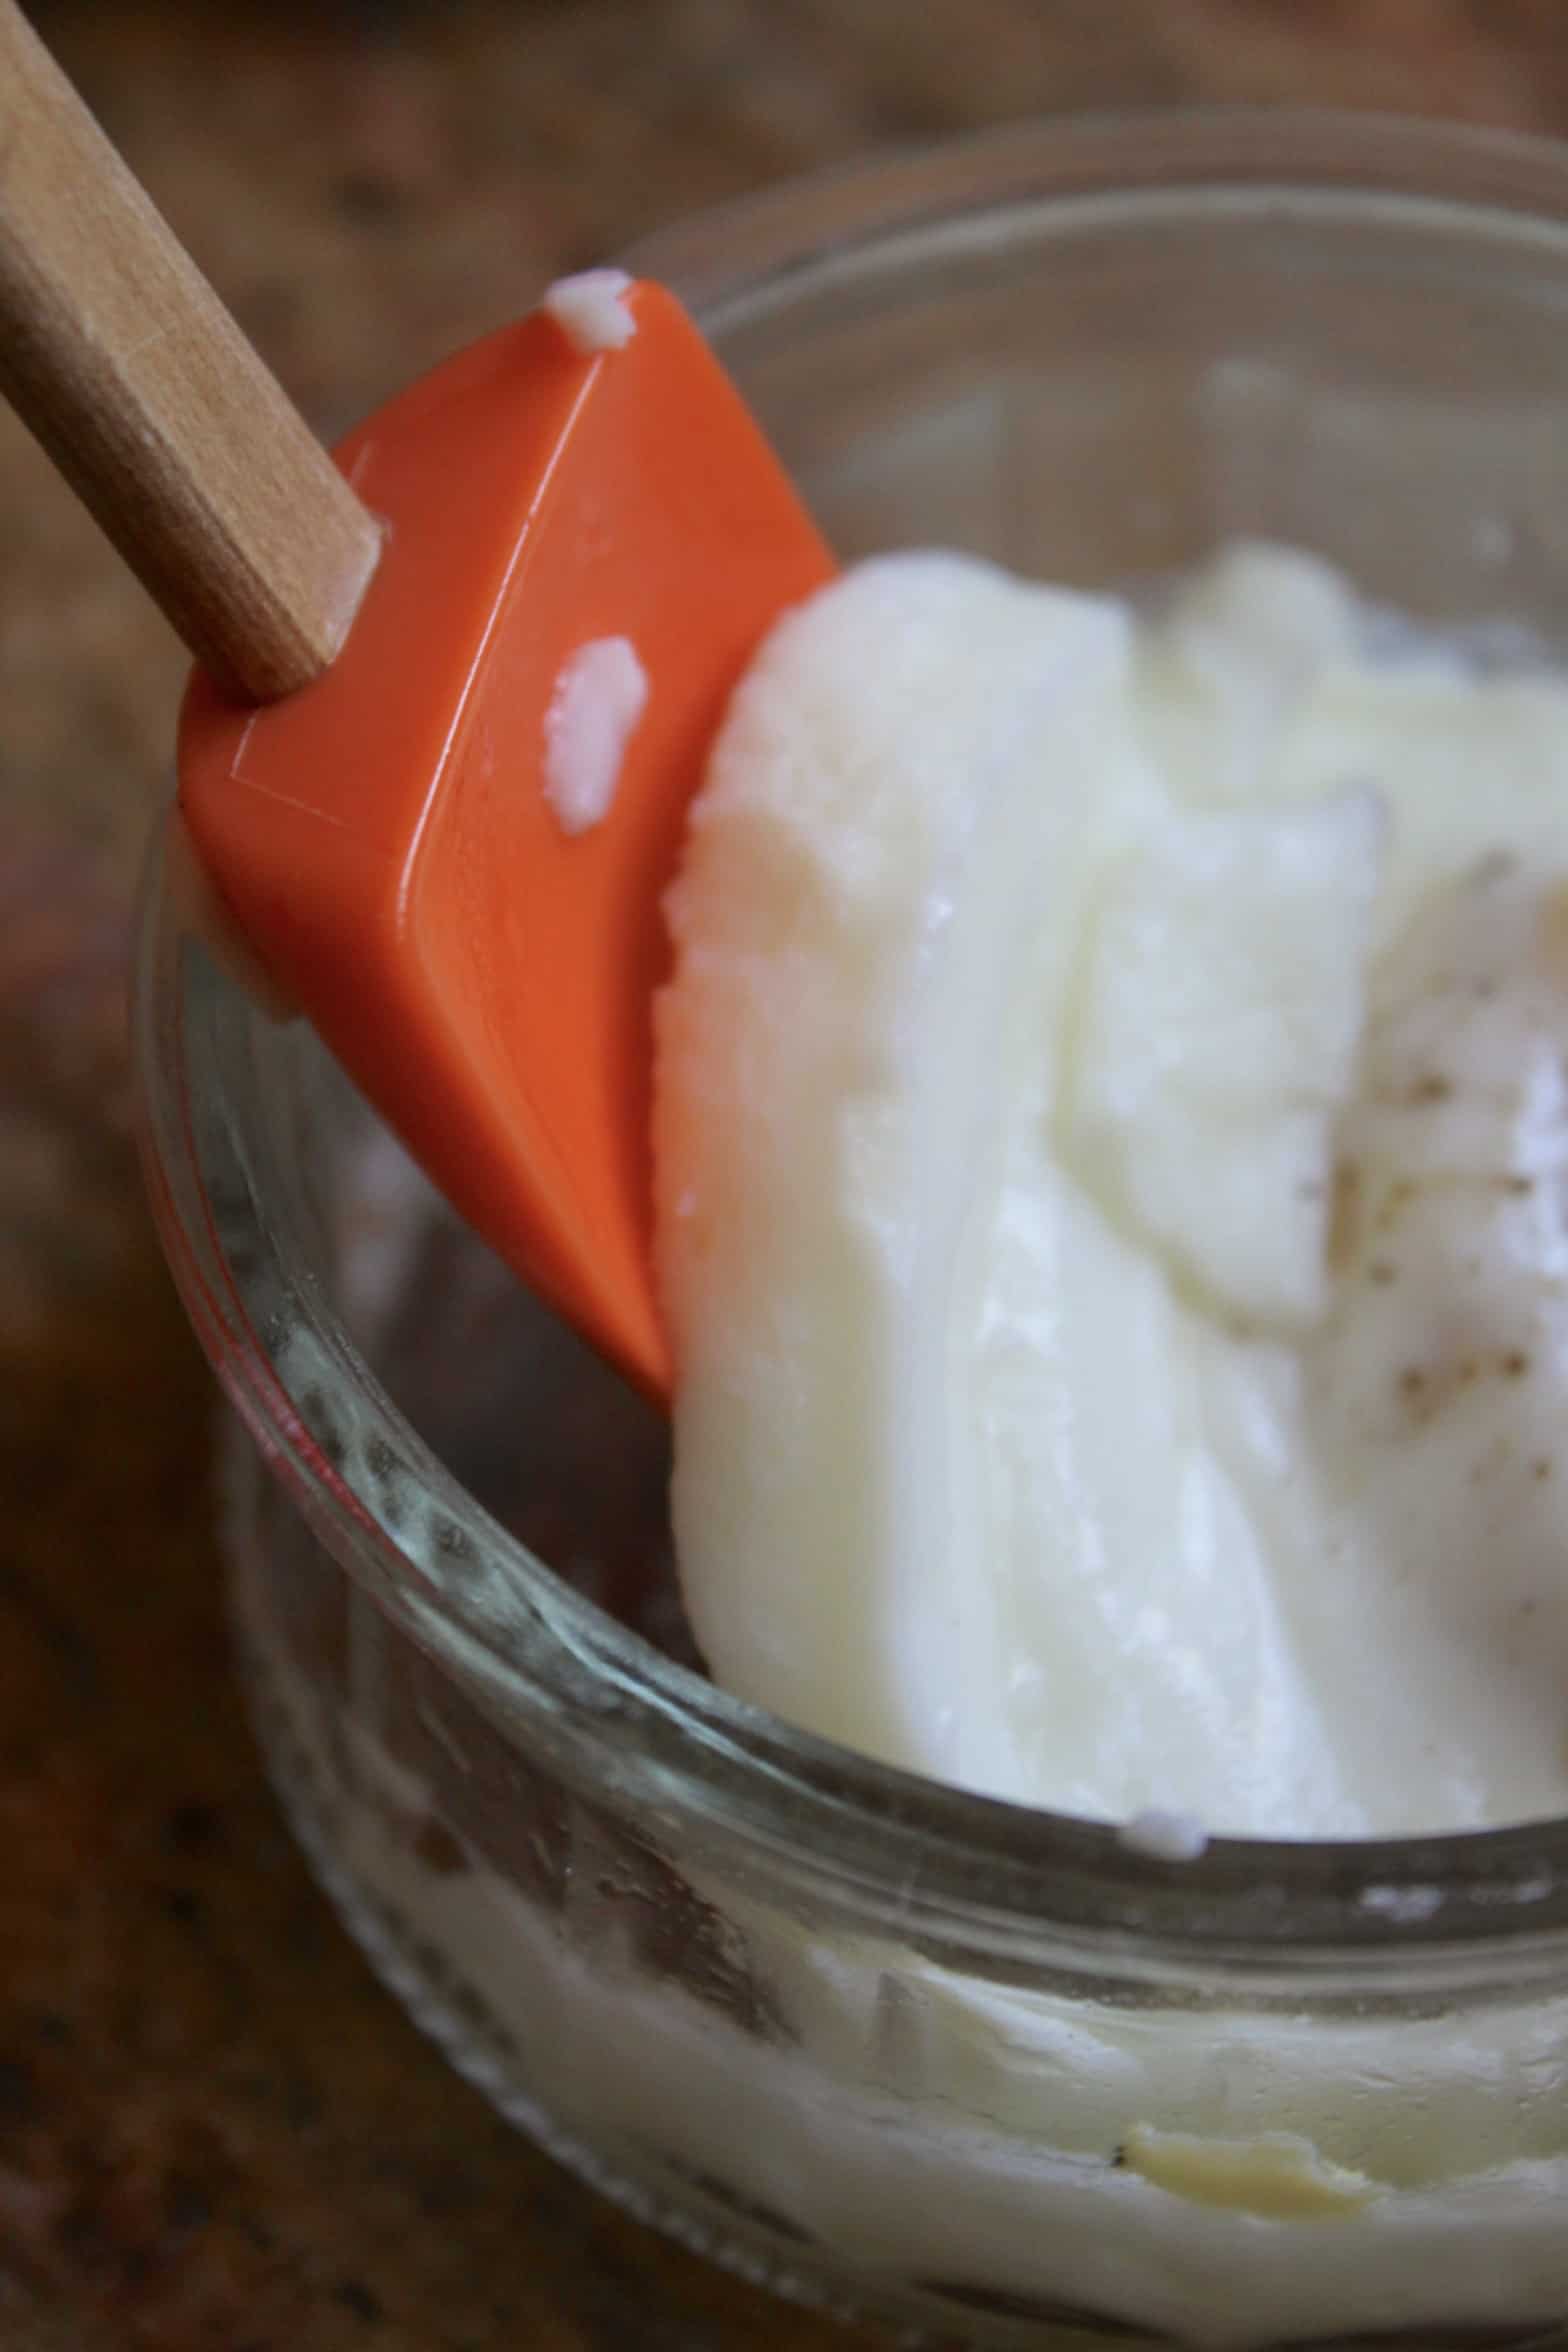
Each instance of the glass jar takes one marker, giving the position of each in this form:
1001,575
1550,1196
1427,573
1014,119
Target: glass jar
874,2041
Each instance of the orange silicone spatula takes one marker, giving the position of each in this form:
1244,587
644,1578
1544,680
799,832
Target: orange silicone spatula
386,783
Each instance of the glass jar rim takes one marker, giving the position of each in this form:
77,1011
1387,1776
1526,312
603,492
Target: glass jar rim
893,1853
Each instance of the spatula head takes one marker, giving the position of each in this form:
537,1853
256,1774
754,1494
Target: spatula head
384,838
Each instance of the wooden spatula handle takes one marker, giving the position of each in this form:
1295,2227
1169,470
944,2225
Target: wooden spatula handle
153,405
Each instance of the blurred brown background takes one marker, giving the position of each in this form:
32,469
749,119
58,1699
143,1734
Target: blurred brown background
216,2133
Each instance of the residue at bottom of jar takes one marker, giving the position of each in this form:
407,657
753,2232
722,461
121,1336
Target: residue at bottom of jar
928,2128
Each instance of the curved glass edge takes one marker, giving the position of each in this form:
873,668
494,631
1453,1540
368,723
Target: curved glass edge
899,1854
739,258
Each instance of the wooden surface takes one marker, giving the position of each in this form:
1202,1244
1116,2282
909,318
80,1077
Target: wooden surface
156,409
216,2133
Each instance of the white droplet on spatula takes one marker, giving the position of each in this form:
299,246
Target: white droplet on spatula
590,310
599,698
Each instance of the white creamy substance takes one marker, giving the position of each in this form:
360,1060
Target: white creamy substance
599,696
1112,1123
1046,1420
591,310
